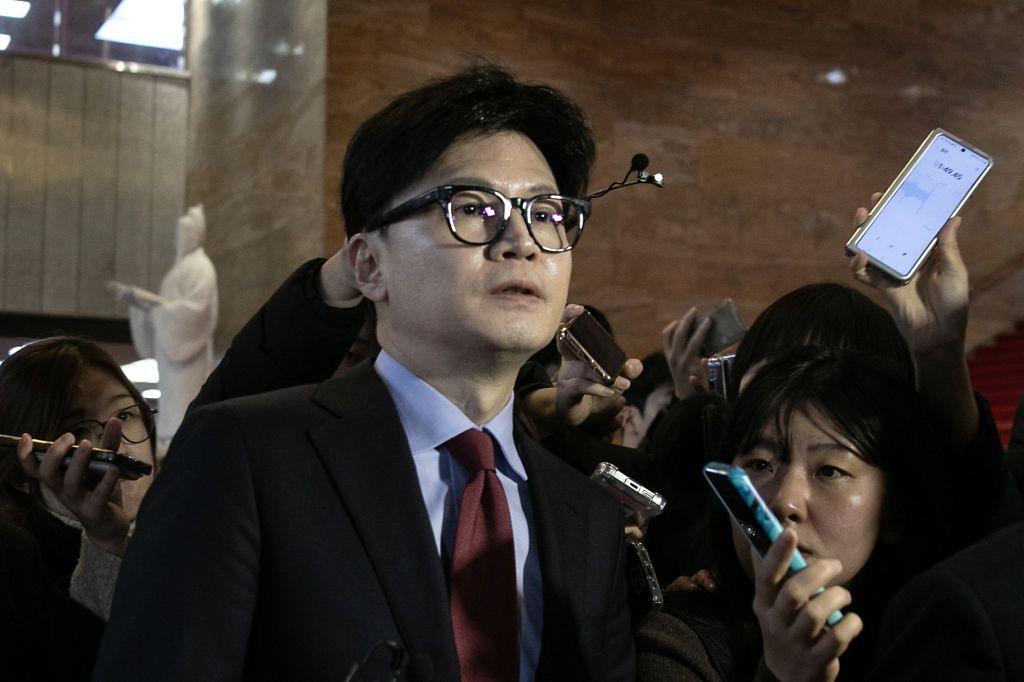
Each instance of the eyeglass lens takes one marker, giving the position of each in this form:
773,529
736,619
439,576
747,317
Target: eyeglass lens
134,426
477,217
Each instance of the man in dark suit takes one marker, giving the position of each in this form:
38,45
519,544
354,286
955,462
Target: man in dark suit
963,619
400,508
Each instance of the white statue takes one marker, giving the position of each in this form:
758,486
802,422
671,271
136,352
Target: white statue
176,326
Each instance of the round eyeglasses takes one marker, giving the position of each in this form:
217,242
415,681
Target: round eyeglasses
478,215
136,425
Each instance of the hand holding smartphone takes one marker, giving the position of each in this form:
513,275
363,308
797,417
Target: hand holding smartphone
595,347
726,328
751,515
641,505
902,228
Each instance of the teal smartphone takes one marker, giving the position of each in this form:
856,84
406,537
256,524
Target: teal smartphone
738,495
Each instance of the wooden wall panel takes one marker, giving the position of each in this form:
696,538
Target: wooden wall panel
764,159
6,160
62,227
93,178
169,167
134,181
23,291
99,191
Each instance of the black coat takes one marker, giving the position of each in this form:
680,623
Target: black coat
961,620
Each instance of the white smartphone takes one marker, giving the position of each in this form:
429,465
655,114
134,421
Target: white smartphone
902,228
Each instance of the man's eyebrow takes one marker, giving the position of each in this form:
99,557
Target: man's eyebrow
531,190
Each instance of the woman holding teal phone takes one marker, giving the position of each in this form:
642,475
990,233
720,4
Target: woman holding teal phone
837,449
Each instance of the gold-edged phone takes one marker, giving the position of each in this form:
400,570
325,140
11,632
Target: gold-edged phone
589,341
902,228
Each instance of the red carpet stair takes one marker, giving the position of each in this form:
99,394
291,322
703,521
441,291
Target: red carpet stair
997,371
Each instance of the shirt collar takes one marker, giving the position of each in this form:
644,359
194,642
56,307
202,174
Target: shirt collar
430,419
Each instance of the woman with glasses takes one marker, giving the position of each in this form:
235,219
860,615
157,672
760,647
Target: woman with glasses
71,391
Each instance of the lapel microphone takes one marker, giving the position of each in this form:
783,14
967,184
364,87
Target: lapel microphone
638,164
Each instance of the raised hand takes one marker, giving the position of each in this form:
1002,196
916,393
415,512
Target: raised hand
792,614
931,309
931,314
95,503
338,285
580,398
681,341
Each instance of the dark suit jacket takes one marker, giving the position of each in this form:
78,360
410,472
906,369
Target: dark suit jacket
961,620
1015,450
287,535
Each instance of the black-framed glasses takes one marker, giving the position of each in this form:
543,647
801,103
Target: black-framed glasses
137,425
478,215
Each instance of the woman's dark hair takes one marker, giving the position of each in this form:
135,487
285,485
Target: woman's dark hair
397,145
884,417
37,385
827,315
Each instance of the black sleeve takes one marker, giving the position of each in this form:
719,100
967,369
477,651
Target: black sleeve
22,603
937,629
295,338
187,590
1015,452
619,650
982,484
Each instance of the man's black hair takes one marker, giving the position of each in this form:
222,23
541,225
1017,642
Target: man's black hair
828,315
397,145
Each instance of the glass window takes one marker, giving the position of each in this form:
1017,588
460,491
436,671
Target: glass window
150,32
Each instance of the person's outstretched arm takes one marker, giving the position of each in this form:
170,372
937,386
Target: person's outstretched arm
299,336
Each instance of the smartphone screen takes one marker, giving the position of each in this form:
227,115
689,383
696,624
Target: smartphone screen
901,231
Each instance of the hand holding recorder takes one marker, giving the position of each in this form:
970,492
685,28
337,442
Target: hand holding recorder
94,500
594,371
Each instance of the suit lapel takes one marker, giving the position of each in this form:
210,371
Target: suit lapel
367,457
561,531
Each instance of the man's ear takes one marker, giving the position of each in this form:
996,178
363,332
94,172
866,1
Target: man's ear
364,255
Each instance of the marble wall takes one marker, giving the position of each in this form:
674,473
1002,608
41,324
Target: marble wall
256,143
92,180
765,159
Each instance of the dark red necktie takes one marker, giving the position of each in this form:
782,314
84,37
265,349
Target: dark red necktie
484,604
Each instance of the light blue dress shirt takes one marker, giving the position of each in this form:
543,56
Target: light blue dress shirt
429,420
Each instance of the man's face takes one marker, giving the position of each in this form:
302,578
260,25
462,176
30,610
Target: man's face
441,295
